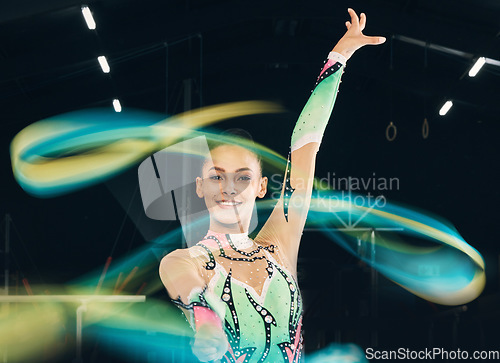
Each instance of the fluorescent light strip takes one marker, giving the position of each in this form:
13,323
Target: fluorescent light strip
446,107
117,106
89,19
477,66
104,64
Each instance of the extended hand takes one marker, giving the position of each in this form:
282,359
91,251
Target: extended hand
354,38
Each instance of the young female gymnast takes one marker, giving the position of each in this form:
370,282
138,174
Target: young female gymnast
241,295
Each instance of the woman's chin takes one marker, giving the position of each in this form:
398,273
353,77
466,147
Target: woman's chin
227,221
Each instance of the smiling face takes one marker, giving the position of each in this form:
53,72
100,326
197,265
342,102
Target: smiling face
230,183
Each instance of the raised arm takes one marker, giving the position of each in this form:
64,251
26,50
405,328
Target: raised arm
288,218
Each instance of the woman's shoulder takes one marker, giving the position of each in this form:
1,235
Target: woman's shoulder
173,258
178,253
265,241
185,254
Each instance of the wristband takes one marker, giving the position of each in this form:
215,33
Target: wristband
337,57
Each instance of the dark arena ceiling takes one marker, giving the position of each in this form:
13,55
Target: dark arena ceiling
171,56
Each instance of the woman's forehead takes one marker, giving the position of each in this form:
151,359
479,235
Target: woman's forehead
231,159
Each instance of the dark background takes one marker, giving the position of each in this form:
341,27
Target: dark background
273,50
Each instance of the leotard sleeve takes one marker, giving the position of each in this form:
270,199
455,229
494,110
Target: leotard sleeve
286,223
180,273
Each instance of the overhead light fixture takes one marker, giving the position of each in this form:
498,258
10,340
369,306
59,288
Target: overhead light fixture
104,64
89,19
477,66
446,107
117,106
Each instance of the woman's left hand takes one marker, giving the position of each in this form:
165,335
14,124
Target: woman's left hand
354,38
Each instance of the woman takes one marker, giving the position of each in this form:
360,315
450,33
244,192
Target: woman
241,295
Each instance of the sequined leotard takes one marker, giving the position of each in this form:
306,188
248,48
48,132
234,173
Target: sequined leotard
262,313
251,284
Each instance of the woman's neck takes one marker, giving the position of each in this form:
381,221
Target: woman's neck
227,228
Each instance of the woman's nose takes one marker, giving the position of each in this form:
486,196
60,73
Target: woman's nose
229,188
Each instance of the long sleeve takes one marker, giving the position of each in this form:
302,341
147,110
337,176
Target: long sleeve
287,221
314,117
180,273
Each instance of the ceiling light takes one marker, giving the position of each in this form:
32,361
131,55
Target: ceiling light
89,19
117,106
477,66
104,64
446,107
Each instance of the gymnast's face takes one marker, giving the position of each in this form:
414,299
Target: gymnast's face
231,181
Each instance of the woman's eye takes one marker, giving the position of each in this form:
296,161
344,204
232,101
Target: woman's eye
215,177
245,178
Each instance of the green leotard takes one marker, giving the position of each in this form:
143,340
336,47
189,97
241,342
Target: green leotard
250,284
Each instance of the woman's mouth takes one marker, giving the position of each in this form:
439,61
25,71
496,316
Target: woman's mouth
227,203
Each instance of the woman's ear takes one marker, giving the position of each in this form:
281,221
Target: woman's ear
199,187
262,187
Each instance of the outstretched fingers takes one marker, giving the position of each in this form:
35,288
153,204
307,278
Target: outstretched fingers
354,38
374,40
354,17
362,21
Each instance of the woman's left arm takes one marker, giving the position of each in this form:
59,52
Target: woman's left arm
288,218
